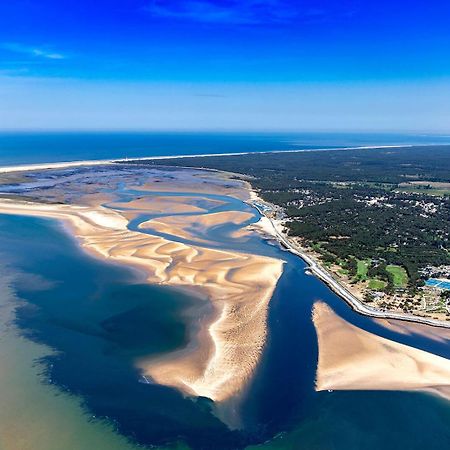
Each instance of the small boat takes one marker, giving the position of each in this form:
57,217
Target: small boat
144,380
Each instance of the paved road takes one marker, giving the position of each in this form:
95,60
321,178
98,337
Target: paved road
353,301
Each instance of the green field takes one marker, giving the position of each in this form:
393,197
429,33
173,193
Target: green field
435,192
399,275
362,268
376,285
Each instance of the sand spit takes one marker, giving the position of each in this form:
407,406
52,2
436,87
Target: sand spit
354,359
93,162
239,286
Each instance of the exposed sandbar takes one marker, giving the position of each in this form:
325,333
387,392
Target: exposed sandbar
438,334
164,204
239,286
195,227
354,359
199,181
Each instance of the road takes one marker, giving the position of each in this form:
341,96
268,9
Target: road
330,281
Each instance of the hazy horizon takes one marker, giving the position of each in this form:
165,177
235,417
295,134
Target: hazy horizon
237,131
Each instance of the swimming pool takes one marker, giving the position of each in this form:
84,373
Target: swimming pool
441,284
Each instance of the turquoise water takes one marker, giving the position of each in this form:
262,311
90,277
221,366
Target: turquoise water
27,148
100,318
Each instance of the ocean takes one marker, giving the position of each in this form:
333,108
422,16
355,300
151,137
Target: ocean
32,147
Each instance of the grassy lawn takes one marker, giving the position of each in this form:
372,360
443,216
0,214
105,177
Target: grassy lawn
415,190
399,275
376,285
362,267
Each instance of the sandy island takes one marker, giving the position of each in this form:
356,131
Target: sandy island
239,286
354,359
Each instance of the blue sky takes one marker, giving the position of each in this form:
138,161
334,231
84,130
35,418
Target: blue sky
202,64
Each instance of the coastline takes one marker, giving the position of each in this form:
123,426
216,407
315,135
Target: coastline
228,327
98,162
266,224
320,272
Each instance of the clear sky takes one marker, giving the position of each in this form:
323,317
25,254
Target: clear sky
232,64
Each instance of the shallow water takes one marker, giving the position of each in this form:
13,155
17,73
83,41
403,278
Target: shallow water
101,319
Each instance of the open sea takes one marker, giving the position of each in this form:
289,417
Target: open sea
32,147
72,326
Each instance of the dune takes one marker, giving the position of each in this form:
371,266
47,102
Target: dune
354,359
238,285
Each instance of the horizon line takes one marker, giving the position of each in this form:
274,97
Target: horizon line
224,130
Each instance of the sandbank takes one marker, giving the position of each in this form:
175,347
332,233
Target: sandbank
194,227
160,204
238,285
438,334
354,359
199,181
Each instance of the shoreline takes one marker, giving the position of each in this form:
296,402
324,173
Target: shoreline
98,162
270,227
320,272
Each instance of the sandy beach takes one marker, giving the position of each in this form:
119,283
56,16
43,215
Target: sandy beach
353,359
68,164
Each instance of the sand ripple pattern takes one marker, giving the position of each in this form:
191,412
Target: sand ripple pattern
239,286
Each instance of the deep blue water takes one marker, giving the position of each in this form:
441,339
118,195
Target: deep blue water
27,148
101,318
